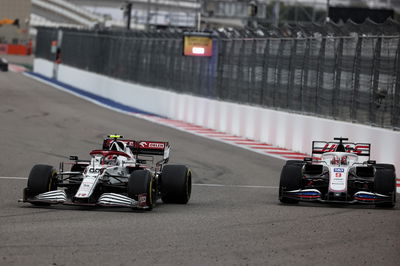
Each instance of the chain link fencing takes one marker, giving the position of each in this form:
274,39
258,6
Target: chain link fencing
311,71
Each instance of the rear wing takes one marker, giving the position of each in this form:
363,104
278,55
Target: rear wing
143,147
151,148
321,147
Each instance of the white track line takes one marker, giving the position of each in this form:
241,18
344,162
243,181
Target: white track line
199,185
13,177
202,185
234,186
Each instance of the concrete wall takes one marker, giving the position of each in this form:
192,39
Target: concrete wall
287,130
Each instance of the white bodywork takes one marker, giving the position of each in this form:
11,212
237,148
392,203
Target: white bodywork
339,164
99,166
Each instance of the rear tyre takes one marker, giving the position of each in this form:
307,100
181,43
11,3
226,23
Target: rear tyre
290,180
384,166
41,179
385,183
176,181
294,162
141,182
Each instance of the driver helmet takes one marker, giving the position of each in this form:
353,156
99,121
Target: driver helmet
344,160
111,160
335,160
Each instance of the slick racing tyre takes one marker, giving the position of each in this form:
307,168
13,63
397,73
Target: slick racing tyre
141,182
290,180
385,183
384,166
176,181
294,162
41,179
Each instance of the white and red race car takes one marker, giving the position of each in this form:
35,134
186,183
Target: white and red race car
124,173
338,172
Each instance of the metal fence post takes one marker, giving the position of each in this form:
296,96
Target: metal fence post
356,80
278,71
304,74
265,77
220,69
338,75
396,101
320,75
375,81
290,83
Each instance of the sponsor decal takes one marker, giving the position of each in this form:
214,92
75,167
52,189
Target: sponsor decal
142,200
338,174
143,144
92,170
156,145
338,170
328,148
151,145
130,143
359,149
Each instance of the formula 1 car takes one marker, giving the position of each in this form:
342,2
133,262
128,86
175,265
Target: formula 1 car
123,173
338,172
3,65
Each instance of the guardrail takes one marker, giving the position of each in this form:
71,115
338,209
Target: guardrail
351,78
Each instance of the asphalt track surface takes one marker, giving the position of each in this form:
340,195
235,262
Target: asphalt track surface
229,224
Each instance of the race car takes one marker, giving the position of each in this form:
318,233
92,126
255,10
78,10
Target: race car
338,172
124,173
3,64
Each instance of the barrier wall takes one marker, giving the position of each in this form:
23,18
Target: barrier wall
287,130
16,49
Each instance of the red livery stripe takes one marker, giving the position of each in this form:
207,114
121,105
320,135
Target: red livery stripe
244,142
364,199
285,153
252,143
295,157
268,148
308,196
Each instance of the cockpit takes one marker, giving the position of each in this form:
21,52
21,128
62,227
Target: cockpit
339,158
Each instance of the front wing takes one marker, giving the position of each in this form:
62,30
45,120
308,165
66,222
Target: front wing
362,197
105,200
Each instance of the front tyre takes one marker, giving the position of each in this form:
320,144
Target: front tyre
385,184
142,182
176,181
42,178
290,180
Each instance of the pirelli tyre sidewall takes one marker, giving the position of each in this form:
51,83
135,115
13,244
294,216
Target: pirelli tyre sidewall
142,182
385,183
42,178
176,182
290,180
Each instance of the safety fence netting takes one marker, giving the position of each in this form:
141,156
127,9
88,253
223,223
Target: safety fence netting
353,77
